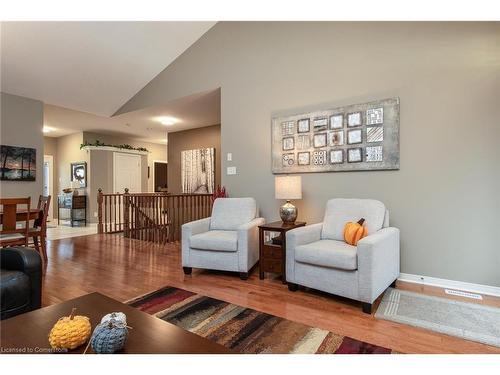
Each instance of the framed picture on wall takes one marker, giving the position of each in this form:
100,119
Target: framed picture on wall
354,119
198,171
337,121
319,140
355,137
79,173
18,163
303,126
320,124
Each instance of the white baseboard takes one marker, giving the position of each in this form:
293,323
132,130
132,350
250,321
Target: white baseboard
451,284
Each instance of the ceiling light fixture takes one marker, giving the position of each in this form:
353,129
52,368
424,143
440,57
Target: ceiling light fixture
167,120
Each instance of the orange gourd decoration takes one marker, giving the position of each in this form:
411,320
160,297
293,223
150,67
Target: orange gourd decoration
70,332
353,232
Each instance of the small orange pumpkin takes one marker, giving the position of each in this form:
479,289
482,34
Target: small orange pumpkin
70,332
353,232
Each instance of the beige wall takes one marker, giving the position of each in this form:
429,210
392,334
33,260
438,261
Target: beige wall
445,197
50,148
66,150
21,125
188,140
101,177
156,151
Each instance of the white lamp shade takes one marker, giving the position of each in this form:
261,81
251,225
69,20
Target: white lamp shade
288,187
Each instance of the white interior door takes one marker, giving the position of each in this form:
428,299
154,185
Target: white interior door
48,182
126,172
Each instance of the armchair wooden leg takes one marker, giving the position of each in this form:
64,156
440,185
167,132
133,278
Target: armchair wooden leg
187,270
367,307
244,275
293,287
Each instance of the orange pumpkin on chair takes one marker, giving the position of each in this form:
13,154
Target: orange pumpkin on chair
353,232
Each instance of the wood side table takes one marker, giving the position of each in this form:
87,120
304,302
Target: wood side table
272,254
77,206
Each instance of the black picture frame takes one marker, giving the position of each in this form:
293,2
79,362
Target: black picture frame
349,125
17,163
320,124
79,173
349,157
308,158
304,121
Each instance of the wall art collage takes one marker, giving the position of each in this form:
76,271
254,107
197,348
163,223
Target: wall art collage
354,137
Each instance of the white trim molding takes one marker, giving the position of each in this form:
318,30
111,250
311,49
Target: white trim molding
114,149
450,284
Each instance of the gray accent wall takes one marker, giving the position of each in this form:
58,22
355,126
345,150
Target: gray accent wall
21,125
446,196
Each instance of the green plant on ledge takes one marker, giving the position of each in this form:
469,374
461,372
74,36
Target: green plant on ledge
98,143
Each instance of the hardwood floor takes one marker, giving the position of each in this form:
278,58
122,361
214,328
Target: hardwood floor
124,269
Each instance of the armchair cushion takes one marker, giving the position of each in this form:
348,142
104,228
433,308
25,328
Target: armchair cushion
328,253
340,211
231,213
215,240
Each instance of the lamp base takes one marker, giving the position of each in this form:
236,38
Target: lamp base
288,213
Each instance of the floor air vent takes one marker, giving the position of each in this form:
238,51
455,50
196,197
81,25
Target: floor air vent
463,294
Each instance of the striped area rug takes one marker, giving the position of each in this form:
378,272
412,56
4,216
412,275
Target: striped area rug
245,330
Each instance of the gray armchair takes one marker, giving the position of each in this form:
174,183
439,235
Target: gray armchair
318,257
226,241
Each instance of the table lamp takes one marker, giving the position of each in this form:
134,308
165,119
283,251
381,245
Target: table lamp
288,187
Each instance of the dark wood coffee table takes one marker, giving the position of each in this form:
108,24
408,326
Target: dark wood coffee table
28,333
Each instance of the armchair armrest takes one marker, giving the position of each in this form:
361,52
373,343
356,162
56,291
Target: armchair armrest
296,237
248,244
254,224
188,230
196,227
29,262
378,262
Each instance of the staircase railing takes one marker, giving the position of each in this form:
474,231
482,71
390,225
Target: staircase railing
155,217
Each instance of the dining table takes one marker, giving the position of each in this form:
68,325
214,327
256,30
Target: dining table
34,214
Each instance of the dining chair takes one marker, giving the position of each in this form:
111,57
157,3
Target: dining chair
11,234
39,230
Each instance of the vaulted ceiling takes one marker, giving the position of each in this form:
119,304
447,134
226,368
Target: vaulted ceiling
92,67
193,111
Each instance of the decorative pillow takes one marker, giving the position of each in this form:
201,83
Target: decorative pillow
353,232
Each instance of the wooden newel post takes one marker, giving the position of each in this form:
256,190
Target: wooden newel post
100,227
126,213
